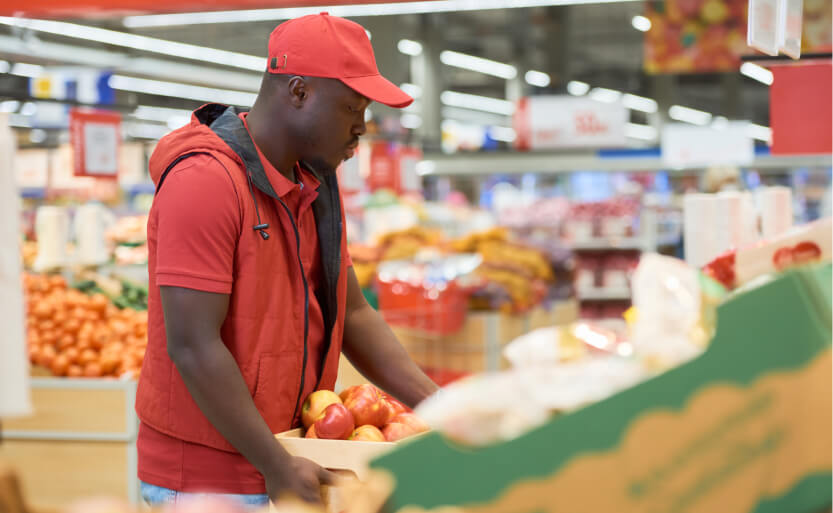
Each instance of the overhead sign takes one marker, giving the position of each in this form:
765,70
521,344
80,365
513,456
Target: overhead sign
95,137
691,146
549,122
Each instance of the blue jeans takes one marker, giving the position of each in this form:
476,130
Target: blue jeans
157,496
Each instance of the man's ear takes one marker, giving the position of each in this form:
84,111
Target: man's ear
298,91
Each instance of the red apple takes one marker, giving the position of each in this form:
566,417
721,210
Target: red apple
367,433
315,404
334,423
366,404
396,431
311,432
412,421
397,406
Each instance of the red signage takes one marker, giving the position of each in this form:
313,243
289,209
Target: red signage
95,137
800,109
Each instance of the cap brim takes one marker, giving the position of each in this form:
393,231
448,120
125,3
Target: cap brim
379,89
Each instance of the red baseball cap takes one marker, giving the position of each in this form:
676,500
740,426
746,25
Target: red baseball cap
320,45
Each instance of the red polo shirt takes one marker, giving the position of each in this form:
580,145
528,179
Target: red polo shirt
200,258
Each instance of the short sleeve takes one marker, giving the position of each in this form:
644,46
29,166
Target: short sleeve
198,226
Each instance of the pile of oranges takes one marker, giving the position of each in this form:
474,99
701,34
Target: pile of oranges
78,335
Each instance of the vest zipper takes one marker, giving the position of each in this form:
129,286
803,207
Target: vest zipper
306,305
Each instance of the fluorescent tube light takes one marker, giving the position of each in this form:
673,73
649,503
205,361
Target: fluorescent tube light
475,102
409,47
639,103
641,23
577,88
688,115
537,78
137,42
479,64
161,114
348,11
412,90
179,90
756,72
605,95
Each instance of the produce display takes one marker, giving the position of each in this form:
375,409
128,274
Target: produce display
801,245
74,334
359,413
515,276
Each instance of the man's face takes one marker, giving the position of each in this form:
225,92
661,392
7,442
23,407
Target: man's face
333,121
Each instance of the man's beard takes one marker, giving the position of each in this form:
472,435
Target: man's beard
320,166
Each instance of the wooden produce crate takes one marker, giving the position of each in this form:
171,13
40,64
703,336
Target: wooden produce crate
346,455
477,345
557,314
350,459
79,442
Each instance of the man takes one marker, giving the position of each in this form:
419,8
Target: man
253,295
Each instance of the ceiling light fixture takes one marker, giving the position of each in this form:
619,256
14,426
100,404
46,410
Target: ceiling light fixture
475,102
689,115
179,90
639,103
347,11
479,64
757,72
605,95
537,78
161,114
409,47
137,42
577,88
412,90
641,23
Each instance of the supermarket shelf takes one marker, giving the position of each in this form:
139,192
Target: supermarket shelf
488,163
623,243
604,294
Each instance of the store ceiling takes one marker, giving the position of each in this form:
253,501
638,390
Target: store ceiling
592,43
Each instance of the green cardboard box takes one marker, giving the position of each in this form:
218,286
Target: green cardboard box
745,427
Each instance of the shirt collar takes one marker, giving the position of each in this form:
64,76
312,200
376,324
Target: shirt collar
281,183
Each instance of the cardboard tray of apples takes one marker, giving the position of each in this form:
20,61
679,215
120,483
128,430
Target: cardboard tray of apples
345,432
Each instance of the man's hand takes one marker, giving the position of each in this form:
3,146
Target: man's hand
301,477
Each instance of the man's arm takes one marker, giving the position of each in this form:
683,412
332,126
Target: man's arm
192,322
373,349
